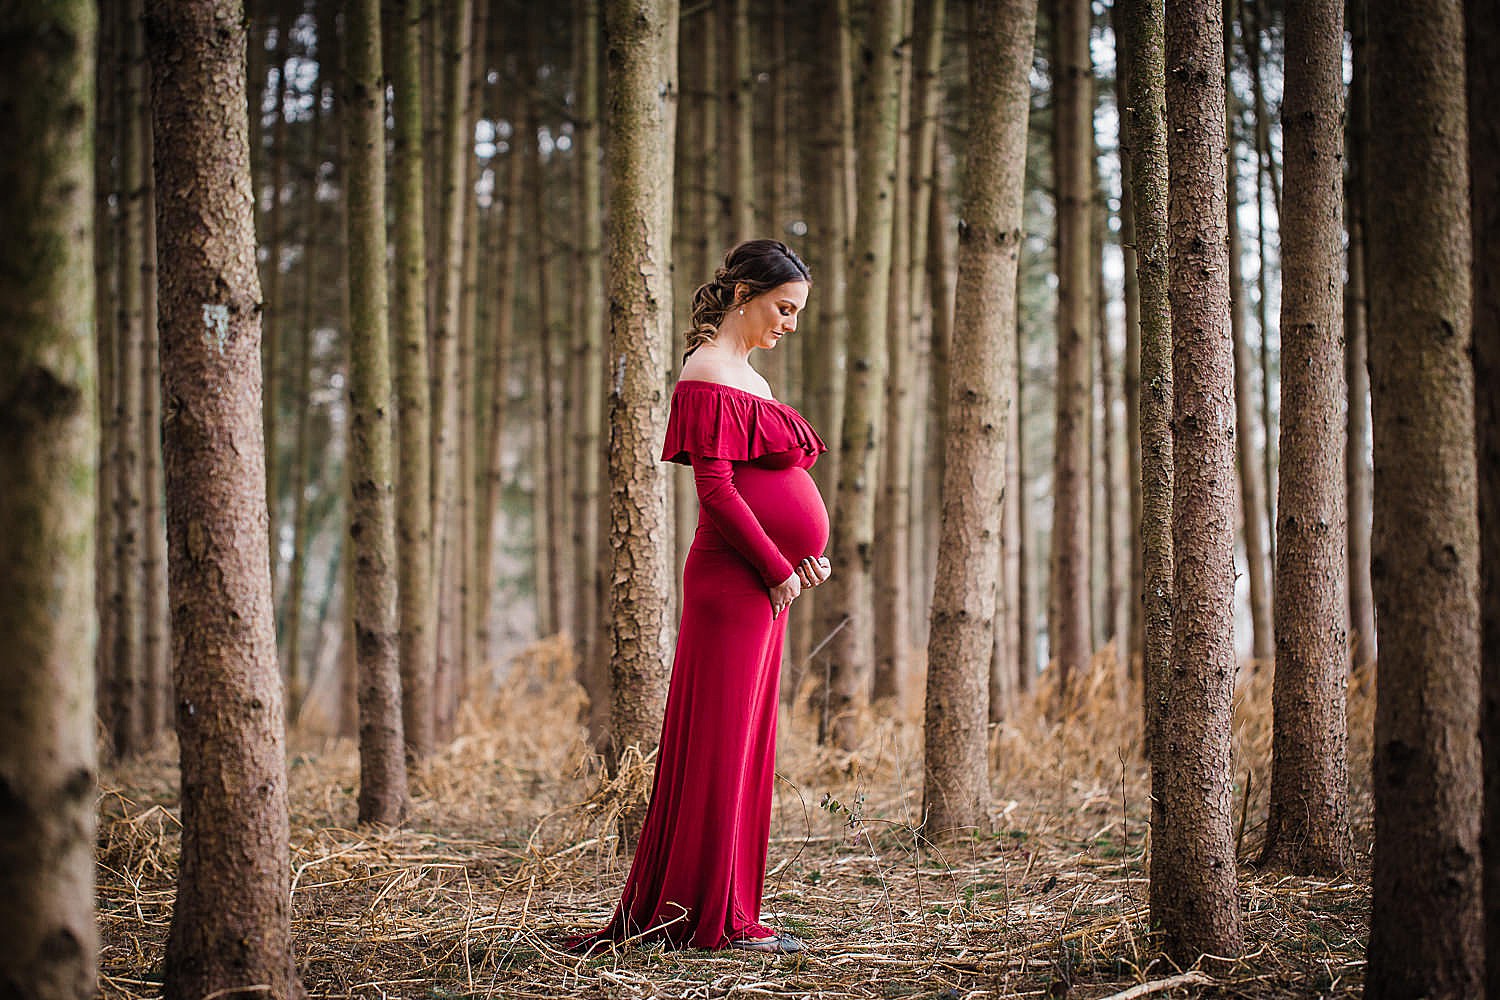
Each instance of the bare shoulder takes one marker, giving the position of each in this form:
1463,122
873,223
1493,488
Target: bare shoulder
705,367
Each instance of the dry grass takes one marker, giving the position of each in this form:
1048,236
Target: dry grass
510,846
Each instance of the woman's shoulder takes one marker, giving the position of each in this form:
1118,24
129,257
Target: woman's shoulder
713,370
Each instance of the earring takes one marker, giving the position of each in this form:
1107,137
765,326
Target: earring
742,312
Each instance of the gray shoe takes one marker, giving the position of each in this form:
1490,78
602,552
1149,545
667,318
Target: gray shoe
781,944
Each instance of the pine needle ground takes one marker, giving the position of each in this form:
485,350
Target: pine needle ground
511,845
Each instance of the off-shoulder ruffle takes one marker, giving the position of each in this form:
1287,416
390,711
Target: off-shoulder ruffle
723,421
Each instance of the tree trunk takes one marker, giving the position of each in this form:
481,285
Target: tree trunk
1483,23
128,671
1425,924
456,143
955,793
891,582
1308,826
1265,165
1134,644
1068,620
230,728
1147,132
1194,891
1253,509
415,552
48,938
273,307
106,225
852,650
1356,349
372,514
594,672
641,51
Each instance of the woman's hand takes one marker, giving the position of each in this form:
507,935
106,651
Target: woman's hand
813,570
784,593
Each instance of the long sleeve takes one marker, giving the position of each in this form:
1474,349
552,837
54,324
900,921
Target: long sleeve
713,478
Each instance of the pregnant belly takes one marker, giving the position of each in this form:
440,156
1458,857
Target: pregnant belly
788,506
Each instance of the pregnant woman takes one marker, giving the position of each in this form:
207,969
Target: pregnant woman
762,527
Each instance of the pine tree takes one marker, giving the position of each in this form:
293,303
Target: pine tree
1425,923
956,782
48,939
230,727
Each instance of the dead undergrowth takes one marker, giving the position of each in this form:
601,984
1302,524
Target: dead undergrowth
510,846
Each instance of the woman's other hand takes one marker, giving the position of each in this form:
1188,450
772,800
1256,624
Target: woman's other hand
784,593
813,570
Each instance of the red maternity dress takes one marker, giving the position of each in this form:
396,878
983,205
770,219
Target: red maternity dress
701,861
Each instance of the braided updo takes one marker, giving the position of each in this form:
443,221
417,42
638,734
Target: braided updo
756,265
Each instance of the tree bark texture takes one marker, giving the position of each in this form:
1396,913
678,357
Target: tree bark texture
1194,889
1483,24
227,681
1425,924
418,648
1069,627
1146,128
641,110
956,774
48,939
1308,826
372,509
851,651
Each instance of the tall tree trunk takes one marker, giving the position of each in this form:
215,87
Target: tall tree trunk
155,614
594,672
955,793
1425,924
1025,601
295,666
372,514
1107,517
1134,644
1068,620
273,308
128,671
891,583
1146,123
456,145
641,50
1483,40
1194,891
230,728
1484,150
1308,826
1265,168
414,545
852,649
1254,517
106,148
48,938
1356,348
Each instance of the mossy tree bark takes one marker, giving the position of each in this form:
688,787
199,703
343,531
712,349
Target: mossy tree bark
641,110
1425,925
48,939
1069,628
1308,826
1194,889
851,651
1483,24
372,509
230,727
956,783
414,548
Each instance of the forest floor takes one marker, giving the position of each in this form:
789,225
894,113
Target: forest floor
509,847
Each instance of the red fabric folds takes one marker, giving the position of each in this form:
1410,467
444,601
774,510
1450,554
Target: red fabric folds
700,864
723,421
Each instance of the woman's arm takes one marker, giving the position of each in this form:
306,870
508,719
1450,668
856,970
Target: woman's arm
736,521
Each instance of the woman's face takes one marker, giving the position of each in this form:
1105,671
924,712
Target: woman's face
773,314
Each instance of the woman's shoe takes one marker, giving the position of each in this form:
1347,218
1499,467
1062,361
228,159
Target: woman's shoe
780,944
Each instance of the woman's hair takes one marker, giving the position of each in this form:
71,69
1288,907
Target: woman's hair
756,265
